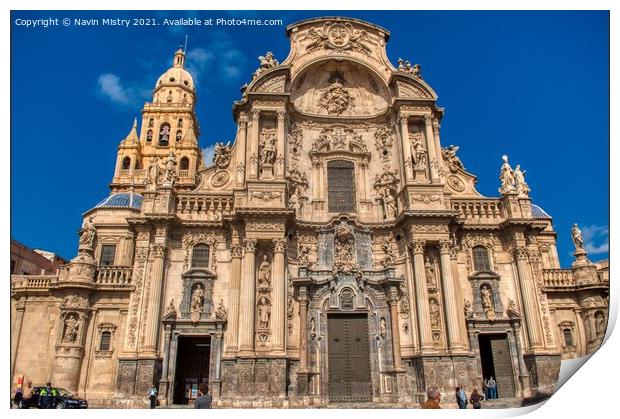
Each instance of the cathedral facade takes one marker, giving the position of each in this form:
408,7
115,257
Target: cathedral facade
334,252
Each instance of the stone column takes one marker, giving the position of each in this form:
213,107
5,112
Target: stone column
163,382
406,145
253,146
430,147
247,303
460,309
302,374
393,302
449,297
424,324
241,148
529,298
524,375
16,329
278,313
214,364
232,332
280,146
154,303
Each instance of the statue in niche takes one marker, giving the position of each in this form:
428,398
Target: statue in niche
600,324
577,238
170,171
434,312
264,274
389,202
312,328
170,310
418,152
487,302
506,177
467,308
388,258
520,185
429,271
88,233
71,329
382,327
220,311
197,303
303,255
267,155
264,312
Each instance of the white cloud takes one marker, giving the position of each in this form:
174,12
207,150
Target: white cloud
596,239
208,153
220,59
111,87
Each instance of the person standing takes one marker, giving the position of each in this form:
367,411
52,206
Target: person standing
475,399
492,388
153,397
203,401
485,388
27,395
18,397
434,397
46,396
461,397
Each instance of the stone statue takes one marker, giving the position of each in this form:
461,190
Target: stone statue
268,148
388,258
416,70
264,274
512,307
222,155
521,186
264,312
265,63
303,255
294,200
389,202
419,153
449,155
600,324
170,171
382,327
577,238
487,304
312,327
153,175
429,271
170,310
196,303
220,311
467,308
71,329
88,233
434,312
506,177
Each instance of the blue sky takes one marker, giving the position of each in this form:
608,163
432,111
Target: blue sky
532,85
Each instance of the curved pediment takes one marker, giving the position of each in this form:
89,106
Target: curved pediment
412,87
272,81
339,88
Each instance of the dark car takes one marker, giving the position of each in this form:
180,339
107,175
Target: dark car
64,399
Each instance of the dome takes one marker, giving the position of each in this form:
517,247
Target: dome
121,200
177,75
538,212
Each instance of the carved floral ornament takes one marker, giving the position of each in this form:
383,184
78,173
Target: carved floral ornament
339,37
339,137
72,302
336,99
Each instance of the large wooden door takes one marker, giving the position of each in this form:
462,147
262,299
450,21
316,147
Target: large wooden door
192,367
502,364
349,360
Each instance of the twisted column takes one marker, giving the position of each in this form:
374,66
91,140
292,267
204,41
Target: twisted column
424,324
528,294
278,312
232,332
450,301
247,302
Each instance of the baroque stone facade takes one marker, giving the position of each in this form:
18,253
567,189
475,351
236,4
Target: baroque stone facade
334,251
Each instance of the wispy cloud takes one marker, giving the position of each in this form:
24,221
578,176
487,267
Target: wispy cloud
208,153
111,87
220,59
596,238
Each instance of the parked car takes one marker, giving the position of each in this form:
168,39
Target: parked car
64,400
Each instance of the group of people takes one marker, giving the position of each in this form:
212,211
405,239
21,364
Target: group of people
203,401
23,396
489,389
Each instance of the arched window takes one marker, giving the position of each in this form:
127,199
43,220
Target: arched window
184,164
568,337
341,186
164,134
481,258
149,136
106,339
151,121
200,256
180,123
126,163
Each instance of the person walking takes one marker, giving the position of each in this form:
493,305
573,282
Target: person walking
203,401
26,396
492,388
153,396
434,397
461,397
475,398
